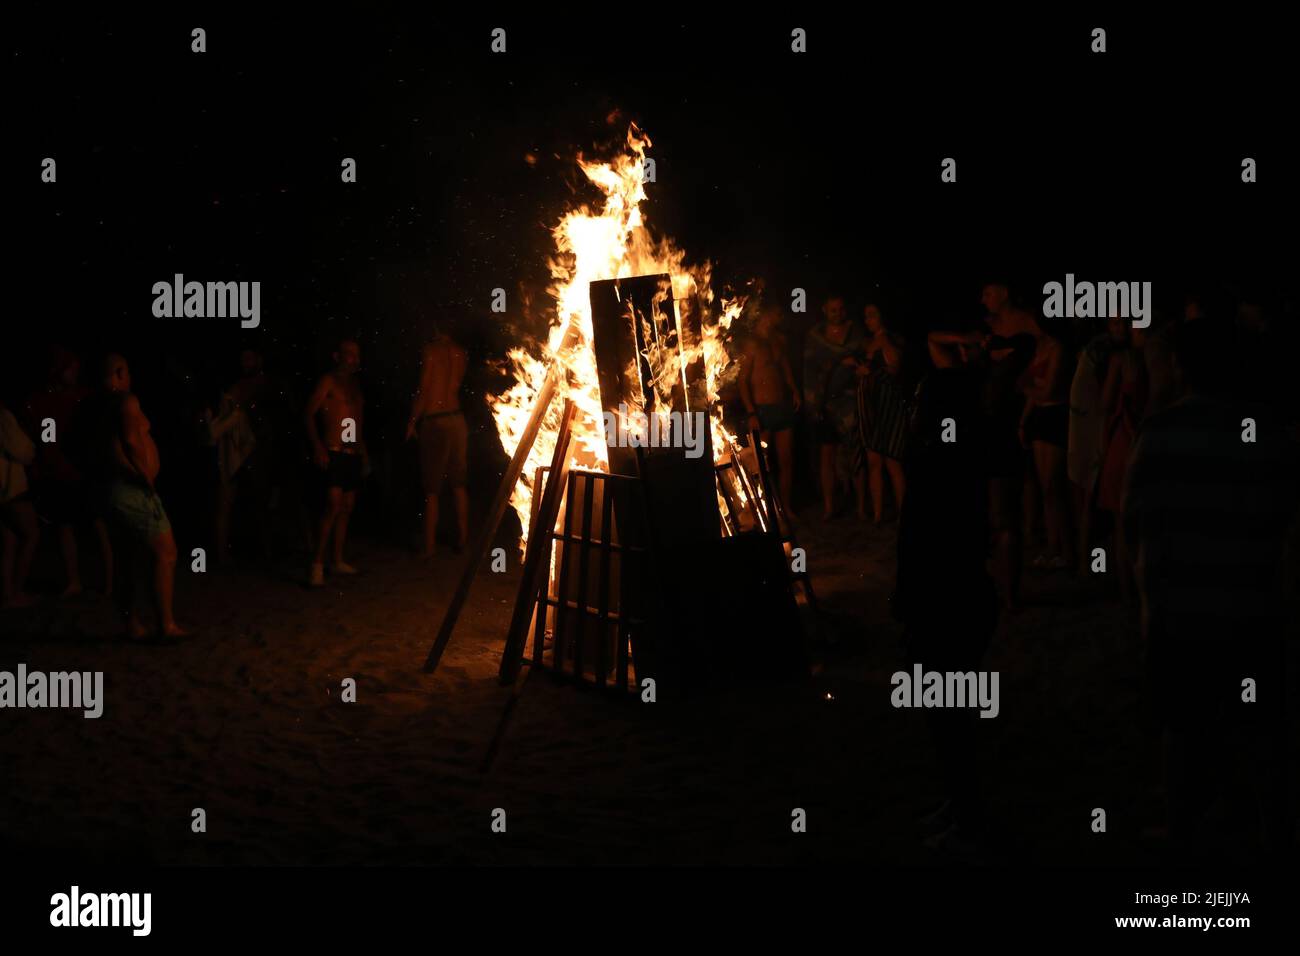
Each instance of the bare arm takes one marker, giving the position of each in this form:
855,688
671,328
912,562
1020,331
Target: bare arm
135,439
956,338
14,442
746,373
893,354
309,417
422,391
459,362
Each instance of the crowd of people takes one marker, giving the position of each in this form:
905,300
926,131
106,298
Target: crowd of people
1063,405
1163,459
80,457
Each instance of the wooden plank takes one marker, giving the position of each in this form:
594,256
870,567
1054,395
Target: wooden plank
584,566
642,584
746,485
732,519
539,641
499,504
536,560
615,341
602,599
770,493
562,588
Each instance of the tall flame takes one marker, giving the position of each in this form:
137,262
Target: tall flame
591,244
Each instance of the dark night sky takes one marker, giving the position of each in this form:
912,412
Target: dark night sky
815,171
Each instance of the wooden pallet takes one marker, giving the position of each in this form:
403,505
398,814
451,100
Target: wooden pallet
586,624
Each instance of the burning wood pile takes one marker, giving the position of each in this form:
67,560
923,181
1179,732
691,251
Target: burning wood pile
654,544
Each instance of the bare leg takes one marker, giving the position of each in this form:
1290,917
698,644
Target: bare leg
221,519
1042,468
1008,546
826,455
1049,460
163,549
306,526
124,575
1007,551
876,477
68,550
860,491
1031,503
1083,504
895,468
430,523
29,533
461,497
333,505
348,499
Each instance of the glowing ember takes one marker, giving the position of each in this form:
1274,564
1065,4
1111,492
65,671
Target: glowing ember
611,242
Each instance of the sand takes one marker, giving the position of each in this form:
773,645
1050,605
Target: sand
245,720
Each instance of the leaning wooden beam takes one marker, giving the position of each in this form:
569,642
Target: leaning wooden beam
495,513
746,485
537,558
770,493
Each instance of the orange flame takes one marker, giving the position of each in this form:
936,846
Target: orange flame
591,244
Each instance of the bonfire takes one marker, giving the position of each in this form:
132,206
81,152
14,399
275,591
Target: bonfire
611,240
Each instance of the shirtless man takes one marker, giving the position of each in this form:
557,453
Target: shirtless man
436,420
135,512
334,417
771,399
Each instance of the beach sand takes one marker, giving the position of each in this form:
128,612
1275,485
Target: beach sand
245,720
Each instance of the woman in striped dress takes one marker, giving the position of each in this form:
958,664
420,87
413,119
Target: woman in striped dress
883,410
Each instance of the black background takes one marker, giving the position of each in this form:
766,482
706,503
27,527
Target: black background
818,170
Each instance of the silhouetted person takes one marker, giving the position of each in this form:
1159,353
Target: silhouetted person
1088,421
1207,513
771,399
135,515
334,417
1045,430
229,431
438,424
944,594
833,349
885,404
1008,348
62,494
18,526
1124,400
244,429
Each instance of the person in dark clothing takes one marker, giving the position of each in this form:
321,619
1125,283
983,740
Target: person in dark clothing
944,595
1211,491
62,494
1006,349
